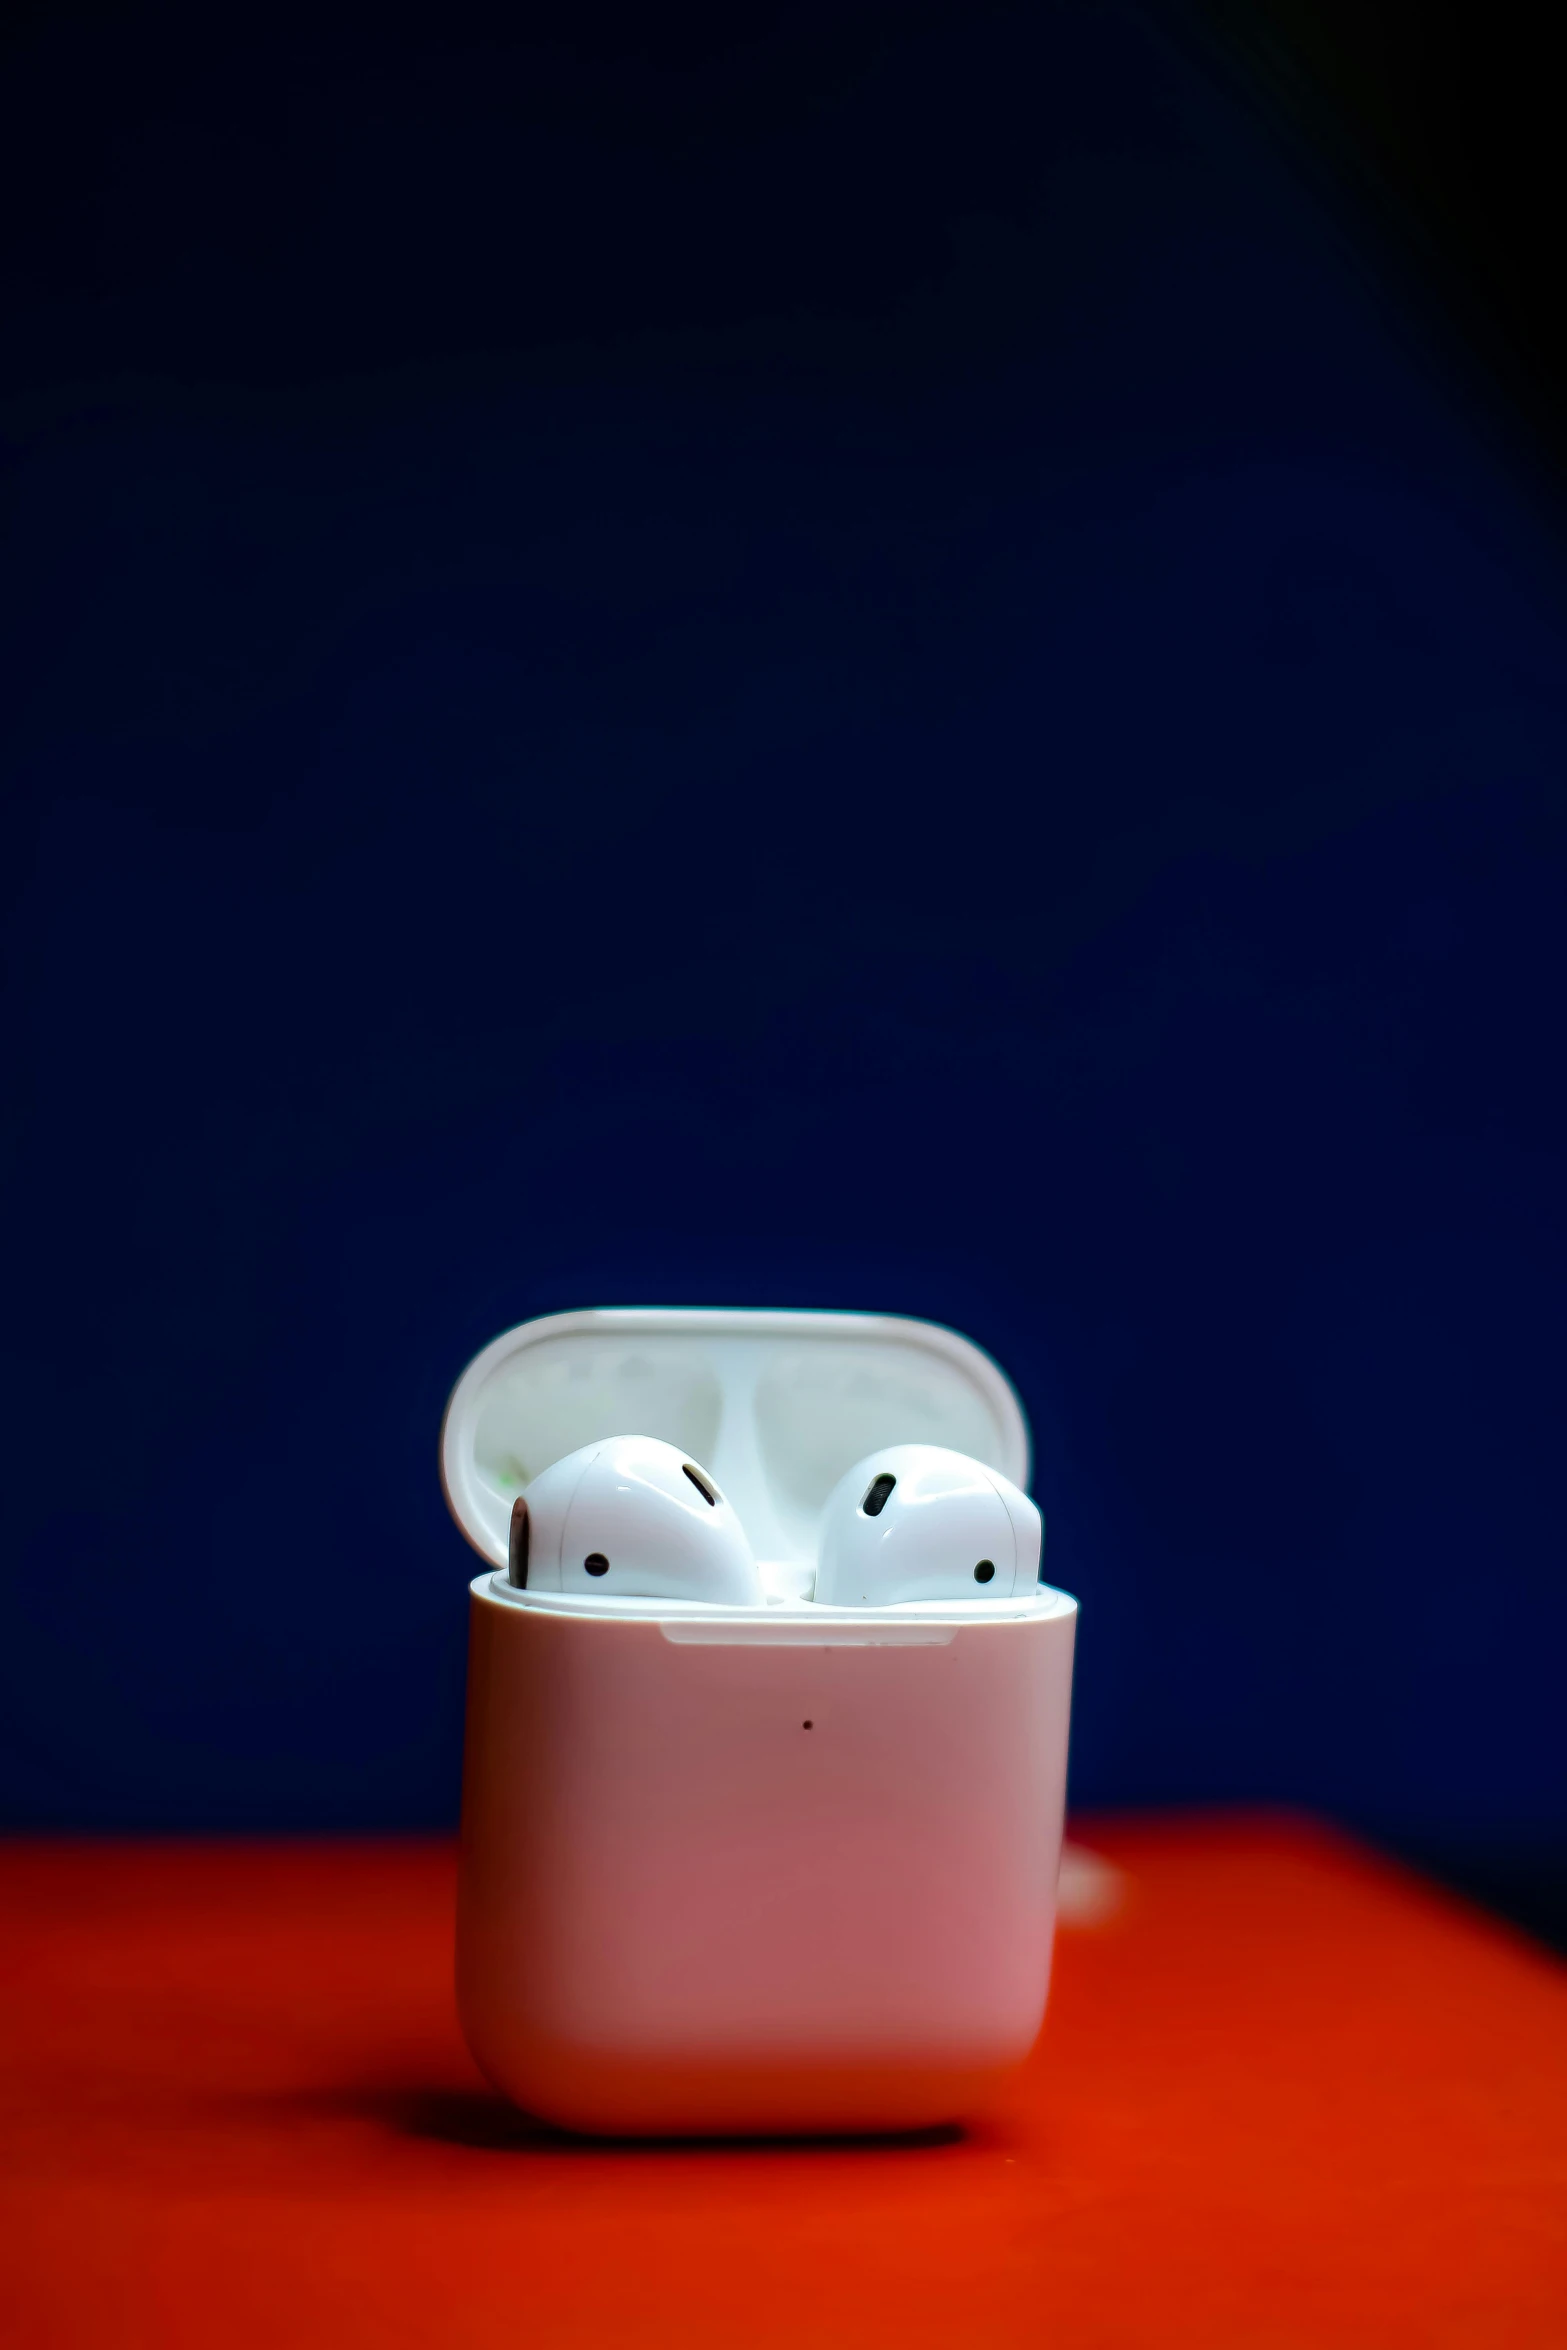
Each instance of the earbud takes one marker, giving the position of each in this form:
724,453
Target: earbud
918,1522
631,1518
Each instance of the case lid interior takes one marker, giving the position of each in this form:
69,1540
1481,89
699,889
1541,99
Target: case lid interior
775,1405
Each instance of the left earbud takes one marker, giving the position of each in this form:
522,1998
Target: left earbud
631,1518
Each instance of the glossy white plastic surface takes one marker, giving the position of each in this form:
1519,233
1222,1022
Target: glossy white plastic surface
776,1405
632,1514
730,1867
914,1521
747,1871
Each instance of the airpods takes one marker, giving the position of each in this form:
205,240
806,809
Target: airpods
631,1517
917,1522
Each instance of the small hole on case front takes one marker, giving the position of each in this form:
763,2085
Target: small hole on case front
708,1492
876,1494
596,1563
807,1725
984,1571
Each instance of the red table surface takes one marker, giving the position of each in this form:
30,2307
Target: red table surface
1285,2096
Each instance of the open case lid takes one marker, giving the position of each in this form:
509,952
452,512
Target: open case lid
775,1405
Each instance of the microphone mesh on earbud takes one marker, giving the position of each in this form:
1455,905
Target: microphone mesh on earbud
517,1545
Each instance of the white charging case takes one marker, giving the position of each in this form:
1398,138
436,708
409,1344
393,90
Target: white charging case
727,1869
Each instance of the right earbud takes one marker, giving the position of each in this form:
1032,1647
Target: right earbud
917,1522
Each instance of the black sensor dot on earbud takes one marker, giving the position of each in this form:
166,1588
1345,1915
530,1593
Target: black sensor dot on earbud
984,1571
596,1563
708,1493
876,1494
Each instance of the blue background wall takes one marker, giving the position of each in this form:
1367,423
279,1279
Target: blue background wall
876,665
